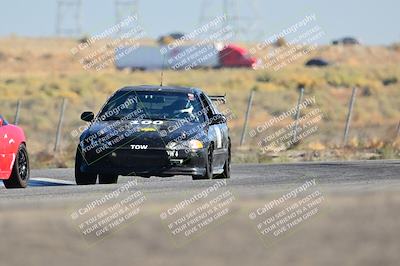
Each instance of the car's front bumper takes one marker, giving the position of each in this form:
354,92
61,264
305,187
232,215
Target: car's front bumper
150,162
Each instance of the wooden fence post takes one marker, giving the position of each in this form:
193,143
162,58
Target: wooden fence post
349,115
17,111
297,116
59,126
249,104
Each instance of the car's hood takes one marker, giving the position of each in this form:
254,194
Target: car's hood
159,131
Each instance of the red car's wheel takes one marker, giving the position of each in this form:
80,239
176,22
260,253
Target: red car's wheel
20,173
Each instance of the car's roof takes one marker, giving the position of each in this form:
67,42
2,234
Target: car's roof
161,88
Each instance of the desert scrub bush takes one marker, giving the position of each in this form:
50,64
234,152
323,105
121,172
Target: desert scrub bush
389,81
395,47
388,152
343,77
293,76
268,87
264,77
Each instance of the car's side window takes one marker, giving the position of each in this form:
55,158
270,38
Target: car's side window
208,108
212,105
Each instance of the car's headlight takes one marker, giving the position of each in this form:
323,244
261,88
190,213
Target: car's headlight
192,144
195,144
172,145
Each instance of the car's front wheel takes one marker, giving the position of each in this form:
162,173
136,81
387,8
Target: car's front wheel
108,179
20,173
227,166
209,166
82,178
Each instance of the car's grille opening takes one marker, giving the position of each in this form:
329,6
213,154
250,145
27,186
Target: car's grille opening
140,160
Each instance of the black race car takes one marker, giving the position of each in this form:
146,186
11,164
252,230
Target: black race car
154,131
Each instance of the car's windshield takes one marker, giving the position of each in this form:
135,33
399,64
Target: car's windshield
153,105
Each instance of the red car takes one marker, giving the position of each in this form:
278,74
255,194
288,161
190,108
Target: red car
14,161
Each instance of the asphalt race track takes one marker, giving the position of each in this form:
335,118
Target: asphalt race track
248,179
359,223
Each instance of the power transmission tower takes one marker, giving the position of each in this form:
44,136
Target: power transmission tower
123,9
69,17
242,16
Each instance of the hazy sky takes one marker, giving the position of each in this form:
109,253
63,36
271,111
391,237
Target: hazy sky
372,21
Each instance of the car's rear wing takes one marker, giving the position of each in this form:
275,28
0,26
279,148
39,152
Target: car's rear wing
218,98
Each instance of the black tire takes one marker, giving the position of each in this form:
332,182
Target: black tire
21,172
82,178
209,168
108,179
227,167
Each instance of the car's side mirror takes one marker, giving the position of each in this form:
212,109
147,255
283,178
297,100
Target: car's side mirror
217,119
87,116
1,122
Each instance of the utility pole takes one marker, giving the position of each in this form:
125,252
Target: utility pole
242,16
69,17
123,9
